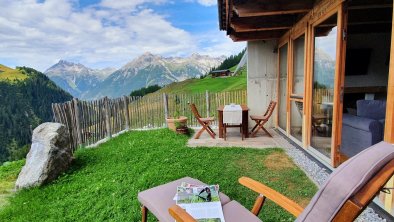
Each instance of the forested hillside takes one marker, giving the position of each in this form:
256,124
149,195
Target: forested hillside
230,61
25,102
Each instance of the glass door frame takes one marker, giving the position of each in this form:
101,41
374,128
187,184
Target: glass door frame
285,42
339,78
290,80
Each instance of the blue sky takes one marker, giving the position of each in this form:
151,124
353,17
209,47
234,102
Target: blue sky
102,33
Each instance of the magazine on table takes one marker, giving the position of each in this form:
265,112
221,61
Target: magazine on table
201,202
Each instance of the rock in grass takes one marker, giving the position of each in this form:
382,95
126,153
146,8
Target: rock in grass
49,156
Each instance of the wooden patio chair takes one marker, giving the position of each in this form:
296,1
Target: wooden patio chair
204,122
261,120
345,194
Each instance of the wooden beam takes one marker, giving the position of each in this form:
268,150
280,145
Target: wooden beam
389,128
240,28
258,8
263,23
362,7
368,4
257,35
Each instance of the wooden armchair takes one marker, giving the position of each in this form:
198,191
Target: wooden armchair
346,193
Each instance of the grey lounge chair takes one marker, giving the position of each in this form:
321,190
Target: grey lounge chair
346,193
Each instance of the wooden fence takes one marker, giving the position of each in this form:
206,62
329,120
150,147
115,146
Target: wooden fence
91,121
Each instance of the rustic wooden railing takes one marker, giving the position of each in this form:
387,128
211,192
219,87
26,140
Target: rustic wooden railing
89,122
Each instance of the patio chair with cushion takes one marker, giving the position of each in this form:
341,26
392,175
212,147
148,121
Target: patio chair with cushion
261,120
345,194
204,122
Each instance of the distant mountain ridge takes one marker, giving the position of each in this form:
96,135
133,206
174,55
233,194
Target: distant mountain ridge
76,78
146,70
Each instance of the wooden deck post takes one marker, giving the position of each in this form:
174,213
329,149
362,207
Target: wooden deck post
126,112
107,117
207,102
165,101
77,122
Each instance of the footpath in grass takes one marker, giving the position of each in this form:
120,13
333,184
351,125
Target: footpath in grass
103,183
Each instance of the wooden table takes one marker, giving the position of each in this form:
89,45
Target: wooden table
245,119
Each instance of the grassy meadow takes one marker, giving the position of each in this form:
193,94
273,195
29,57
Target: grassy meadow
237,82
8,74
103,183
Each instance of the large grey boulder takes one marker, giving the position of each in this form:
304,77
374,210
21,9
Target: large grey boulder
49,156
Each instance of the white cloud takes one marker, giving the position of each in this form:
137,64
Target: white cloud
110,33
215,44
38,34
207,2
127,4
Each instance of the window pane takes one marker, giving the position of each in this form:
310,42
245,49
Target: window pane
298,77
282,86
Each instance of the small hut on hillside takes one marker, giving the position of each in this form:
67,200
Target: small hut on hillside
220,73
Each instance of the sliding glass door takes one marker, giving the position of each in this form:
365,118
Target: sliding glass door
324,63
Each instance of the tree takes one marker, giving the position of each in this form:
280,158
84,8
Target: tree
230,61
145,90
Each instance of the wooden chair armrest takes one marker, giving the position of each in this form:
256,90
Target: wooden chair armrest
180,215
287,204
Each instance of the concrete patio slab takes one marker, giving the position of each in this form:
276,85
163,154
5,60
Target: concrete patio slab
234,140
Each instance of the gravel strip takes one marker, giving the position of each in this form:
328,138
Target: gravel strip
319,175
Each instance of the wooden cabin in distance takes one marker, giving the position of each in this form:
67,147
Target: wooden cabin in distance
220,73
326,63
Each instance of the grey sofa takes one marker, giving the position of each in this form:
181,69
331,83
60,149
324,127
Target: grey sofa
364,129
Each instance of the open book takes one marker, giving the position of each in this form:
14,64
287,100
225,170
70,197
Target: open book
201,202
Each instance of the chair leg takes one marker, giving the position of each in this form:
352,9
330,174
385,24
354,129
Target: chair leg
266,131
242,132
225,132
255,131
258,204
198,134
255,126
144,212
212,134
211,130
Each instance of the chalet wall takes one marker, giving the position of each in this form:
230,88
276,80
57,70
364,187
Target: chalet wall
378,69
262,77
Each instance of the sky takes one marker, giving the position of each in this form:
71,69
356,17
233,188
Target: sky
108,33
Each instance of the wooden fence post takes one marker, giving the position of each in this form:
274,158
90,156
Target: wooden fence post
207,102
165,100
107,117
126,111
77,121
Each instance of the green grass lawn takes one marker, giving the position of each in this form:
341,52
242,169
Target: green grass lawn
103,183
8,74
8,174
208,83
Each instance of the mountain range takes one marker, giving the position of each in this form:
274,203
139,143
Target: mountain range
148,69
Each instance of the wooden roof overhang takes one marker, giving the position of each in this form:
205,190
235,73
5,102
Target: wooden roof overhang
245,20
